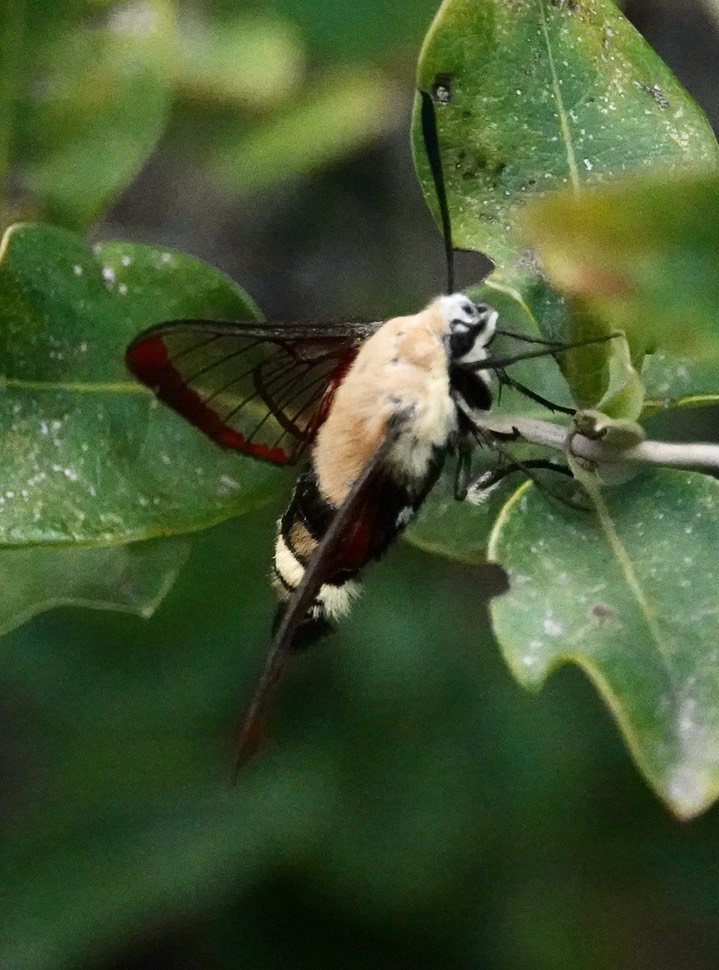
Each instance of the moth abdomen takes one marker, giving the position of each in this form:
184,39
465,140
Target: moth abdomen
299,532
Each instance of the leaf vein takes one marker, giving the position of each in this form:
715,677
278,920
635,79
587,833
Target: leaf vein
75,387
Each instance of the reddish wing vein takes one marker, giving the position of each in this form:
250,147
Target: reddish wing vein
254,388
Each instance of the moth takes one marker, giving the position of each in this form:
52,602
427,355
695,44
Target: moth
370,409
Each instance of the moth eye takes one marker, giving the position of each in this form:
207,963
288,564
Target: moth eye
468,309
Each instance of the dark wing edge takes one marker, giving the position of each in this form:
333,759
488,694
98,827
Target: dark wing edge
321,350
281,648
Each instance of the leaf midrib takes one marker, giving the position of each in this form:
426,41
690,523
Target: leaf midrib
606,524
561,110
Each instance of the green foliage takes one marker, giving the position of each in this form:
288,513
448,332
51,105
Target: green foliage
246,80
401,772
133,578
533,97
629,594
83,100
436,818
545,95
641,254
92,462
334,118
88,457
87,90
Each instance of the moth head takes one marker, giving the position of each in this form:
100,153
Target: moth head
470,327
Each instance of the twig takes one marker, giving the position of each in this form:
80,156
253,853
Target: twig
692,455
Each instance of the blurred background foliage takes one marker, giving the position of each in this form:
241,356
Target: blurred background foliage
413,808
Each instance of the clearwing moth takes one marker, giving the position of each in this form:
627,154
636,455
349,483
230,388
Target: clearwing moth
371,408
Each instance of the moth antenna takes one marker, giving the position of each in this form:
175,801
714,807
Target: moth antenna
505,380
430,137
495,363
525,338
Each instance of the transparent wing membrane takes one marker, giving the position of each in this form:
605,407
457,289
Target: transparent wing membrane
259,389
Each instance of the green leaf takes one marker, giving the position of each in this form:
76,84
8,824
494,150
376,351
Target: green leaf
459,530
246,60
83,100
642,255
338,116
88,456
544,95
133,578
629,594
675,381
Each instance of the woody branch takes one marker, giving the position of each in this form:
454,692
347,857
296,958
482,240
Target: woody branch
685,455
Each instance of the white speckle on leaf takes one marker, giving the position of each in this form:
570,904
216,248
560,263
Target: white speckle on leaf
227,485
108,275
125,260
552,627
77,270
122,289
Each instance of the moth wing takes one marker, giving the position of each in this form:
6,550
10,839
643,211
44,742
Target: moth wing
317,571
260,389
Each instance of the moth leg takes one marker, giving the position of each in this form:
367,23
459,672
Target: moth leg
491,478
463,470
